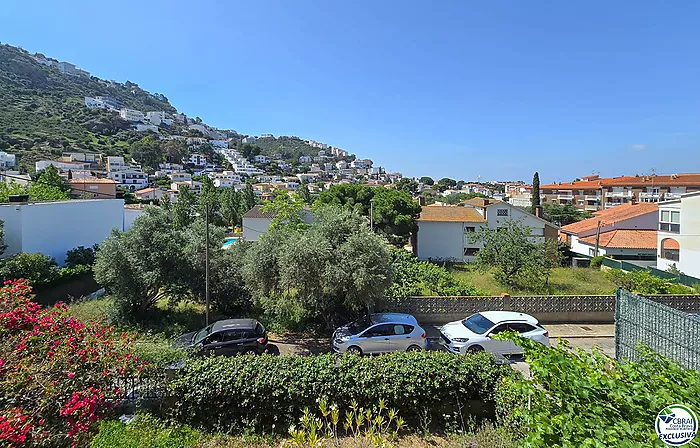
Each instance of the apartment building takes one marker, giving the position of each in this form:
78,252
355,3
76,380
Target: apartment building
132,179
626,232
88,187
7,160
678,238
593,193
131,114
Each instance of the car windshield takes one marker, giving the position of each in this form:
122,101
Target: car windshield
359,325
201,334
476,323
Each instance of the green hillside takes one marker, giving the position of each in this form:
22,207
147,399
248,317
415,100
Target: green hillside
289,147
42,112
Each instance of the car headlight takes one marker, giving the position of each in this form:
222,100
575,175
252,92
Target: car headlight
341,339
460,340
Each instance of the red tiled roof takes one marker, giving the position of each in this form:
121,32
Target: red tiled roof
450,214
665,180
624,239
91,180
612,215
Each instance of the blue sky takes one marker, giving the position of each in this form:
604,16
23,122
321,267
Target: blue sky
496,89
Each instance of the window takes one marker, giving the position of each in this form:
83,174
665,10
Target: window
670,221
469,229
502,212
520,327
591,252
93,187
399,329
670,254
471,251
233,335
379,330
499,329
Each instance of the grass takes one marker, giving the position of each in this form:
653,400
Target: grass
584,281
150,432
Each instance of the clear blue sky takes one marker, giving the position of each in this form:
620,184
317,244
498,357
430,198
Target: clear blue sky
441,88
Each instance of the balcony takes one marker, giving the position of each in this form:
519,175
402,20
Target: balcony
646,195
672,196
591,197
591,208
619,194
565,197
612,204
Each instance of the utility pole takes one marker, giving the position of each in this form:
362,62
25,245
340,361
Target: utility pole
206,260
597,239
371,214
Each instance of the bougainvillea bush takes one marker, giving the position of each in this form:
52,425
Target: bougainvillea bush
57,374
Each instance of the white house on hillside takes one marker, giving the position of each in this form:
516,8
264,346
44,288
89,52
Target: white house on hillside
679,234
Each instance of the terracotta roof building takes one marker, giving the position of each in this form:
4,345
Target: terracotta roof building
592,193
93,187
625,232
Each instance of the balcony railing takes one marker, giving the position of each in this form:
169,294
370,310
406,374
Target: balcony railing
591,197
672,195
649,195
565,197
619,194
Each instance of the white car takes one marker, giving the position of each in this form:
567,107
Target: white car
474,334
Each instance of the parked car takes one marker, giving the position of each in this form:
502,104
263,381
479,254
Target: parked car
475,333
227,337
380,333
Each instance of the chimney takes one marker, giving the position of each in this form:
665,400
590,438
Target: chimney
538,211
487,202
421,201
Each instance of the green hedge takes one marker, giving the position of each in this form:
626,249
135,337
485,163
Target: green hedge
426,388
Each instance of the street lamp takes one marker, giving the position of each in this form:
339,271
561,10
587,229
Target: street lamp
371,214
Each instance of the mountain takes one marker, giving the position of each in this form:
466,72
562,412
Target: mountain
42,111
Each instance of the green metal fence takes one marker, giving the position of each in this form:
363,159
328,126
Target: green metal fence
666,330
683,279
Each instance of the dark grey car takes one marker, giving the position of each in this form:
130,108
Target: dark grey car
227,338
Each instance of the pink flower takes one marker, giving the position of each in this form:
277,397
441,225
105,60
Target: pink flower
71,375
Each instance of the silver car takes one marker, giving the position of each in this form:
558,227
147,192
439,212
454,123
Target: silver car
380,333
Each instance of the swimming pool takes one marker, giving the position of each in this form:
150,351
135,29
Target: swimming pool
230,240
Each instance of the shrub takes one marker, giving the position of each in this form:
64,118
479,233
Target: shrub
236,393
643,282
576,398
413,277
81,256
38,268
597,261
56,373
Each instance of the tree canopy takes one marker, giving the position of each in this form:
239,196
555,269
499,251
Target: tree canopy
563,214
395,211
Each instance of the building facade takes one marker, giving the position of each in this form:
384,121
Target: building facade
679,234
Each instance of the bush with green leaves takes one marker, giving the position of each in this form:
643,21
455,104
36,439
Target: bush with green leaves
643,282
586,399
38,268
413,277
597,261
145,432
81,256
231,394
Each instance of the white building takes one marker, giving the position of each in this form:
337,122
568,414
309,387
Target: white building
204,129
53,228
9,177
158,117
249,139
679,234
116,163
305,159
94,103
141,127
131,114
198,159
61,166
130,178
192,185
7,160
262,159
180,176
627,232
219,143
521,200
443,231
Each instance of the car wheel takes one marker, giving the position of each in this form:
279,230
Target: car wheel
475,349
354,350
250,352
414,348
